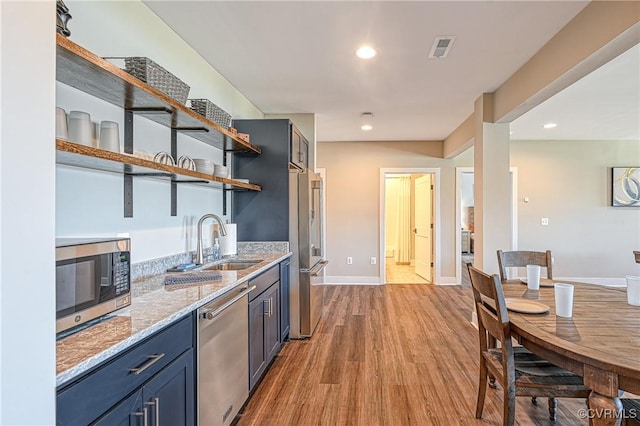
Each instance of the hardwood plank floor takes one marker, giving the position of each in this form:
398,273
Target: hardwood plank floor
388,355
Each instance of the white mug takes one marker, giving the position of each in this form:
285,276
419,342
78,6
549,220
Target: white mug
62,131
80,128
109,136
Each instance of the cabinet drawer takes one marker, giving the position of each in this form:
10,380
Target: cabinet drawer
85,400
264,281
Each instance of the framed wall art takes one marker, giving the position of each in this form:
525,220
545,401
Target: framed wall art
625,187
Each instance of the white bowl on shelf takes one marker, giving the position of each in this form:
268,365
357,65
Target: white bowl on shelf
204,166
221,171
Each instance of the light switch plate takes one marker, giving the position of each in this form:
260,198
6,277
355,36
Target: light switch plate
544,221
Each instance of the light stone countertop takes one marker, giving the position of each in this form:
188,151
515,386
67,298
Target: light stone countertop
153,307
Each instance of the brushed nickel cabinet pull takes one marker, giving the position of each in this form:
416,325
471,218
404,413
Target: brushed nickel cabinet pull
152,360
144,416
156,403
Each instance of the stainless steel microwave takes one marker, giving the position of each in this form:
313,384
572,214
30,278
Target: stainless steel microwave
93,278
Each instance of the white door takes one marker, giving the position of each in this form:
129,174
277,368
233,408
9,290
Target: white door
423,227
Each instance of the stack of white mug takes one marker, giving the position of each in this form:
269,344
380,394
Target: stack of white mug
79,129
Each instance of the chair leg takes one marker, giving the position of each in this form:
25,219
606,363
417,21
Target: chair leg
482,389
509,409
553,404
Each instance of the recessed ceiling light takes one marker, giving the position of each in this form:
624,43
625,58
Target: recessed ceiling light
366,52
367,121
550,125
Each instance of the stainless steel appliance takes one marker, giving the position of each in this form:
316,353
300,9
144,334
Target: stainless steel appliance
289,208
306,239
223,357
93,278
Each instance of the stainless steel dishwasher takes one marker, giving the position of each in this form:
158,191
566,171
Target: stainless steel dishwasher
223,357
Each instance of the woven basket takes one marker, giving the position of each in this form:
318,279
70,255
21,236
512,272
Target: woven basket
157,77
211,111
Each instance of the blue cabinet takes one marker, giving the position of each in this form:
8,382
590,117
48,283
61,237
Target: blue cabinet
154,379
264,323
285,322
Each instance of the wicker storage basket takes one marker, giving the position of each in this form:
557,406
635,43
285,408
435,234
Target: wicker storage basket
211,111
157,77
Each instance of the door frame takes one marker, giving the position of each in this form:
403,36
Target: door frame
513,172
436,217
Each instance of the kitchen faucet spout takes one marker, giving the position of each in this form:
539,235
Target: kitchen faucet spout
223,232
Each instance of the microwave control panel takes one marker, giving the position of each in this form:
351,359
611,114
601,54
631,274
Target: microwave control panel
121,272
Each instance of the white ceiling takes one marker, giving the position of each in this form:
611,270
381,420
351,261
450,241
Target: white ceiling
298,57
604,105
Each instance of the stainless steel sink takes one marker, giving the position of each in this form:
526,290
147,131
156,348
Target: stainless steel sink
234,265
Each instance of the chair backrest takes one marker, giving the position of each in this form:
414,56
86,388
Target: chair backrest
520,259
492,311
637,255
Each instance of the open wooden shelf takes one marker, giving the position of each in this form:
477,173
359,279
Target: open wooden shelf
73,154
79,68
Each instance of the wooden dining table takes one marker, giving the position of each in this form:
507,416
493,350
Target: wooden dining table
600,342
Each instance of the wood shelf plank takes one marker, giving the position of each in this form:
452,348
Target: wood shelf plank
73,154
85,71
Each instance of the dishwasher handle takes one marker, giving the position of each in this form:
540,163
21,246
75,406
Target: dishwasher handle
209,315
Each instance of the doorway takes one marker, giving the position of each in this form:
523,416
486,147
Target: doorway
408,226
465,247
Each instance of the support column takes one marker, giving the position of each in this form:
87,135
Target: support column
492,186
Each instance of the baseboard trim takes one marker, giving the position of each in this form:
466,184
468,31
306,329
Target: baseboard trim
447,281
348,280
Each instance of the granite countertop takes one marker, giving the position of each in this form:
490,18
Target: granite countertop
153,306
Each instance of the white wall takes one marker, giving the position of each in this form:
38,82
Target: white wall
569,183
566,181
353,197
27,174
91,203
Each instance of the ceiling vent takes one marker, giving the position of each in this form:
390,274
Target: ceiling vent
441,47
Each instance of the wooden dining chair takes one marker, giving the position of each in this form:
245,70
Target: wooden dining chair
520,259
637,255
518,371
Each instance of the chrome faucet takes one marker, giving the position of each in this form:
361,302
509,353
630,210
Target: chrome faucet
223,232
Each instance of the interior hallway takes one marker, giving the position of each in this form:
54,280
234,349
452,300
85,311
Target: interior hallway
388,355
402,274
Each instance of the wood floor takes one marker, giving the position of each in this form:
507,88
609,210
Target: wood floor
388,355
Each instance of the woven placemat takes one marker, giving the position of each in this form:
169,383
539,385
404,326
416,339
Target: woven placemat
193,278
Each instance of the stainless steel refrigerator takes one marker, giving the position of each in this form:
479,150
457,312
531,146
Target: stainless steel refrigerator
289,208
306,223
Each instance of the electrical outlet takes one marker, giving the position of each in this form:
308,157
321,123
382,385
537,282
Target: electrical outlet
373,260
349,260
544,221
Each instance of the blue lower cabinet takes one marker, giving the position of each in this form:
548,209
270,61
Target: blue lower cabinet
153,383
169,396
128,413
167,399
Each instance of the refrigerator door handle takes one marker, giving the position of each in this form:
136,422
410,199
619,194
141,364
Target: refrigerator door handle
316,268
